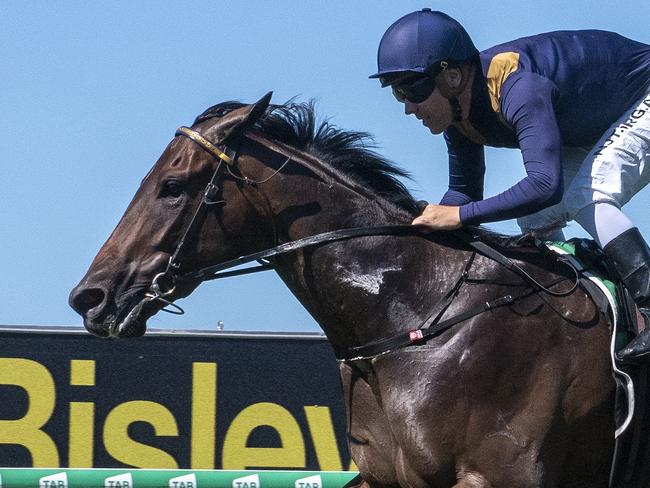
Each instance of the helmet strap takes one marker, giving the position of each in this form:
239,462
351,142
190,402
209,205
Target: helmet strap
456,109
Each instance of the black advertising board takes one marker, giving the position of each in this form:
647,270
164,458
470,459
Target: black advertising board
170,400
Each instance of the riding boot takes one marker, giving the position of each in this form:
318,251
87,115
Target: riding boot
631,258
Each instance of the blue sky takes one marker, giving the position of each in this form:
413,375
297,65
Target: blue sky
91,93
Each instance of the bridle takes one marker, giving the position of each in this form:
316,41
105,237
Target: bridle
164,284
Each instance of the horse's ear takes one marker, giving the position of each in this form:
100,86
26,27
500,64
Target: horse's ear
240,119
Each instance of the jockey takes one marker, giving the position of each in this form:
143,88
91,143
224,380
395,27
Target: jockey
577,105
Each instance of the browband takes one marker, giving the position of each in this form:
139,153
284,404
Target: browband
204,143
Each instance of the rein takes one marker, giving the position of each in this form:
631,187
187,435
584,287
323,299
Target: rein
217,271
164,284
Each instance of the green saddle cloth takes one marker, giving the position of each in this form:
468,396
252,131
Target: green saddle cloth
606,286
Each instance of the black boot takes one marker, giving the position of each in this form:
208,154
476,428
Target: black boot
631,257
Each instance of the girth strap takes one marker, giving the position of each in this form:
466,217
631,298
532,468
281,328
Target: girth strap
384,346
432,326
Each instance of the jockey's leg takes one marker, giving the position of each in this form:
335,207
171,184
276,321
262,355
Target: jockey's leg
629,253
603,221
615,169
631,257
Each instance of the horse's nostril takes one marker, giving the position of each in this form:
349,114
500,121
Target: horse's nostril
85,299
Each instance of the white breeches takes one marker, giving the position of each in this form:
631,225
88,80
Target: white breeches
611,172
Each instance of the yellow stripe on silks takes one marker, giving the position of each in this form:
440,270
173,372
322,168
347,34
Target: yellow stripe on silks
501,66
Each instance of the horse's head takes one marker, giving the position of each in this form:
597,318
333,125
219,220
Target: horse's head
185,199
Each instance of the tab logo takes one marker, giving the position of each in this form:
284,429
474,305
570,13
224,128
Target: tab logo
185,481
309,482
252,481
120,481
58,480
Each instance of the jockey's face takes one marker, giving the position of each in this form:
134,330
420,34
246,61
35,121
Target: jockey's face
434,112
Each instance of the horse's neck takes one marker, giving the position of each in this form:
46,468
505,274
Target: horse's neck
361,288
364,288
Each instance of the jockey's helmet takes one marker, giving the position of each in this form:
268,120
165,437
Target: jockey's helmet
423,42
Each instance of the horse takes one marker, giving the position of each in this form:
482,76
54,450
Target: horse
516,394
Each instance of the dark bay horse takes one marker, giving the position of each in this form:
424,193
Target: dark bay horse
519,396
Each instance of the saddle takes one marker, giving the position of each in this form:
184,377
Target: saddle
597,270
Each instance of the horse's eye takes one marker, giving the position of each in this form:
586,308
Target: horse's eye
171,188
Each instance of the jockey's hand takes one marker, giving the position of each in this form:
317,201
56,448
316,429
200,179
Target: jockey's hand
439,217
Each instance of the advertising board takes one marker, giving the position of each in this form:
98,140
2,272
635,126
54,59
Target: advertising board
175,400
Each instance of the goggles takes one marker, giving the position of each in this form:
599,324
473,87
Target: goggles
415,91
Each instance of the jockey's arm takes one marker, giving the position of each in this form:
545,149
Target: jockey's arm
528,107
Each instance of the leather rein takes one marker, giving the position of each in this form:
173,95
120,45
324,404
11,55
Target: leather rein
164,284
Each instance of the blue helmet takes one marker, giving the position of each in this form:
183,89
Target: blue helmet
422,42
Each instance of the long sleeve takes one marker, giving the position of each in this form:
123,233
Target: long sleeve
527,106
466,169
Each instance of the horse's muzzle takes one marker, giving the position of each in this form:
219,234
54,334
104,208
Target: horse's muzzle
104,318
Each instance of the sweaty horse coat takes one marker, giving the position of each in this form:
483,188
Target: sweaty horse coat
508,398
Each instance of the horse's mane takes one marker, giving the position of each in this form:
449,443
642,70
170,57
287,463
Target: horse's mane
350,152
